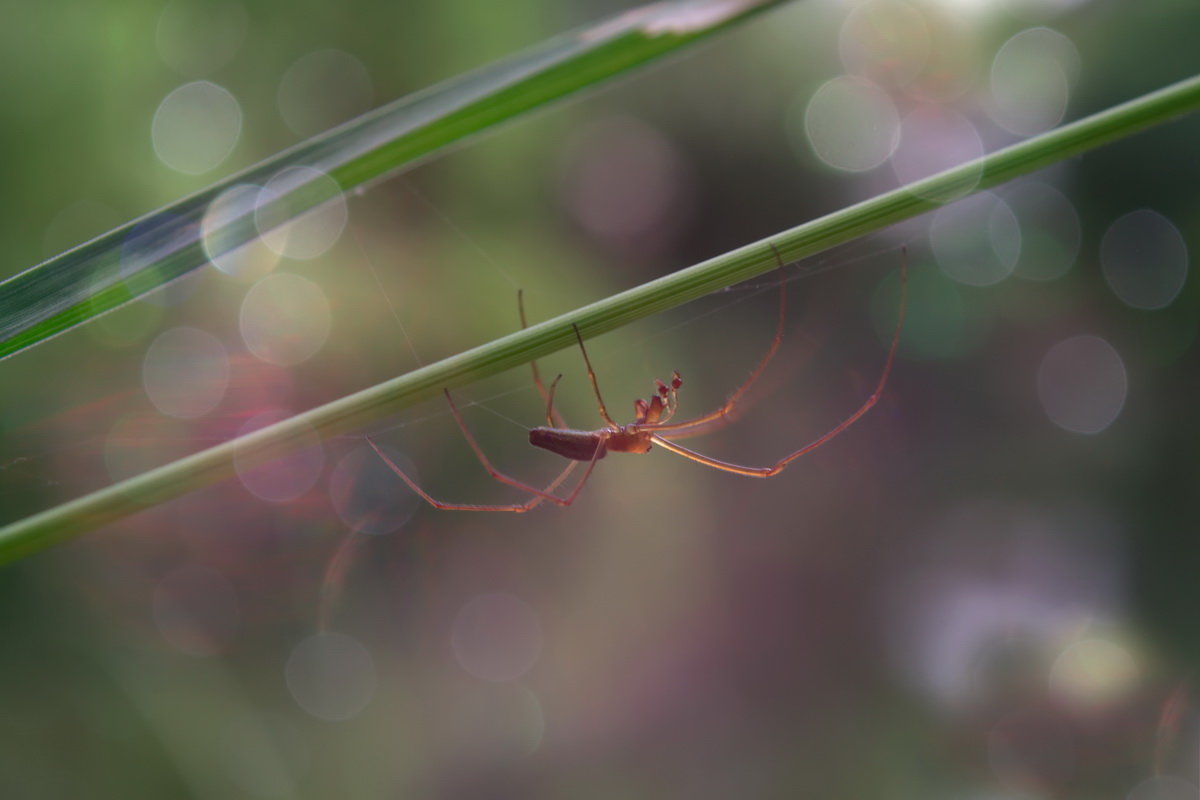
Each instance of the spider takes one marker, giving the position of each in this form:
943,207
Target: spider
651,424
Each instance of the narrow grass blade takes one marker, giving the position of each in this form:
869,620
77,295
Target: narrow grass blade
147,253
357,410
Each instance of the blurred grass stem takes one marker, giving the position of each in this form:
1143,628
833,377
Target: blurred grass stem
141,256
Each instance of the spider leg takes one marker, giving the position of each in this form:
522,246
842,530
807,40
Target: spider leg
553,418
551,414
487,464
725,414
518,508
592,377
778,466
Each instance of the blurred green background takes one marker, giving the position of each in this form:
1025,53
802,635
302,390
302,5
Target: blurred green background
985,589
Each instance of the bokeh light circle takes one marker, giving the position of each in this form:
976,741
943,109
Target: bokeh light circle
1144,259
322,89
1051,233
285,319
625,181
885,41
1031,80
1092,672
230,211
950,69
283,479
367,495
196,610
331,676
185,372
196,127
496,637
851,124
1082,384
196,37
976,240
527,721
933,139
288,220
496,722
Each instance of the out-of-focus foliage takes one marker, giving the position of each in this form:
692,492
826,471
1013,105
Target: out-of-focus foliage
292,203
983,589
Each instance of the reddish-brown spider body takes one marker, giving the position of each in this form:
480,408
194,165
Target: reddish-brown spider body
582,445
573,445
632,438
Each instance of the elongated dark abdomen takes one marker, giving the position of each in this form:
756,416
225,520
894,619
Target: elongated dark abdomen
575,445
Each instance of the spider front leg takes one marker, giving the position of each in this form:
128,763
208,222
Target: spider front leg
595,384
725,414
660,435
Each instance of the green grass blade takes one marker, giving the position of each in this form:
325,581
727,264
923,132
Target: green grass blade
357,410
145,254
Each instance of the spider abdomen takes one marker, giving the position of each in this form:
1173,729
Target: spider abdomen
575,445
